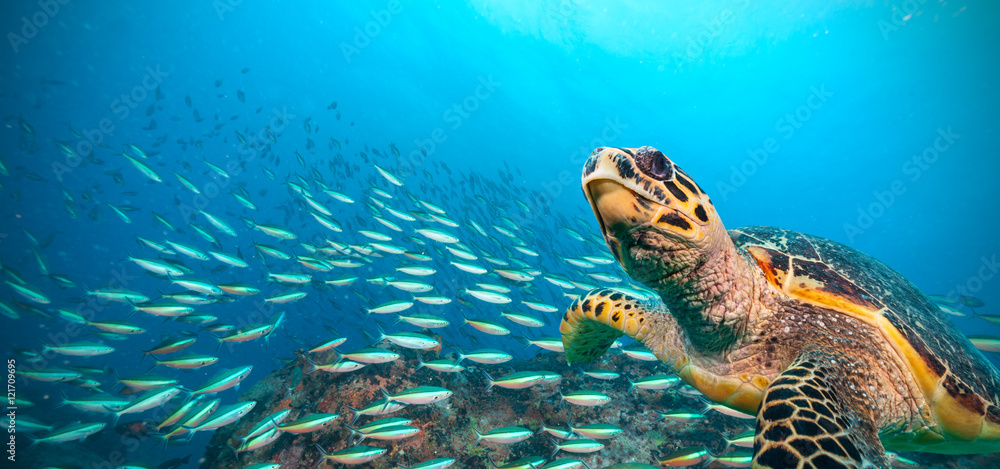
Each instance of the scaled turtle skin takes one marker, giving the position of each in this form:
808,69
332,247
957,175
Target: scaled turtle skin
838,355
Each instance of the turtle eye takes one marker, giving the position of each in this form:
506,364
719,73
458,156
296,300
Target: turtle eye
654,164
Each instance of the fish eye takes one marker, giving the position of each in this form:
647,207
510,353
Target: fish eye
654,164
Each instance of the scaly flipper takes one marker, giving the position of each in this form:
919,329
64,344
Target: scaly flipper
810,418
594,321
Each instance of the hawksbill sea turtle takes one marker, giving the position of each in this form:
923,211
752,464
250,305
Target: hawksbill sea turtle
838,355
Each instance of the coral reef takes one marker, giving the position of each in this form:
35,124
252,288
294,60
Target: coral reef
447,427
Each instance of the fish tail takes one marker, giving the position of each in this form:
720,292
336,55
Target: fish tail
542,426
489,380
64,399
355,414
323,452
524,340
312,365
479,437
236,454
371,338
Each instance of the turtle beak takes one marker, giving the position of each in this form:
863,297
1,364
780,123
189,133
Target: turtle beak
617,211
613,205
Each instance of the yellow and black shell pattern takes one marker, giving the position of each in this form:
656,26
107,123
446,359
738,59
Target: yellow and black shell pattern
961,388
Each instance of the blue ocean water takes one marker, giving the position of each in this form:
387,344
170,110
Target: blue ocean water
874,124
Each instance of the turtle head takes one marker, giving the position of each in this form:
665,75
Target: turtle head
655,219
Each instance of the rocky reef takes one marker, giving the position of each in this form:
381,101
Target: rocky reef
448,428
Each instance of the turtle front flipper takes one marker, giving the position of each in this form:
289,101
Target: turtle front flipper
810,416
594,321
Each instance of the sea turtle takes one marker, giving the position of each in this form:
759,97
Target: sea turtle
837,354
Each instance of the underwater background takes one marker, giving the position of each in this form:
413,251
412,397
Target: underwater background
872,123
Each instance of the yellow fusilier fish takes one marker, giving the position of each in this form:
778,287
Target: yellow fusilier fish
353,455
437,235
225,380
523,319
145,170
227,259
218,223
193,418
410,340
268,423
286,297
163,309
101,403
246,334
240,289
224,416
517,380
79,349
188,251
488,296
28,293
117,327
410,287
391,307
309,423
74,432
339,196
417,270
199,286
484,356
188,184
488,327
293,279
388,176
586,398
50,375
150,399
265,438
580,445
187,362
156,267
686,457
275,231
505,435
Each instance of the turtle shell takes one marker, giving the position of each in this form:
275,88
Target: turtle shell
961,387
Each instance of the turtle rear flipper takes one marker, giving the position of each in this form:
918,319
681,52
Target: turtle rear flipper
810,418
594,321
